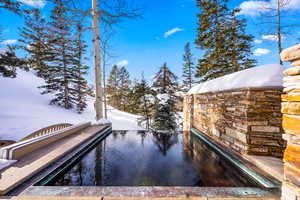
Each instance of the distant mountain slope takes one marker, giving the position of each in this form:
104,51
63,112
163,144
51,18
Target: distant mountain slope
23,109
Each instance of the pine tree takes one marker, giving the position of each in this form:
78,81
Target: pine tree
165,81
80,90
9,63
34,40
112,87
164,112
60,72
164,116
124,88
11,5
188,68
222,36
144,96
238,44
211,39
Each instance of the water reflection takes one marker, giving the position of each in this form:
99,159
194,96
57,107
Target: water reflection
139,158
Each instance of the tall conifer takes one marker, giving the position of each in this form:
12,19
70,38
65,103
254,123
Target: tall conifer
34,40
188,68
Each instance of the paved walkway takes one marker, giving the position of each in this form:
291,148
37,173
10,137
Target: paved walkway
36,161
271,165
137,198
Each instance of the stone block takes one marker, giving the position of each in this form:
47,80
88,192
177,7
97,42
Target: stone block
291,123
290,192
293,71
268,129
291,54
291,97
292,175
292,155
290,108
295,63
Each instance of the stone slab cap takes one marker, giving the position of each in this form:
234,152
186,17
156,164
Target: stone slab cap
291,54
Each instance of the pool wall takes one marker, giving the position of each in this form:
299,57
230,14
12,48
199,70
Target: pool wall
248,120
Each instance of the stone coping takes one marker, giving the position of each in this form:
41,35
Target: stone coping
240,89
19,149
36,161
150,192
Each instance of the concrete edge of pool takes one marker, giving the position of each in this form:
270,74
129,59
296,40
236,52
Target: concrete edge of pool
150,192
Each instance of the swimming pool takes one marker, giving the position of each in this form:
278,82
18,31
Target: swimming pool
141,158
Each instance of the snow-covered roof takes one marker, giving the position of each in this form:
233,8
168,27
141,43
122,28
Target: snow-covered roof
270,75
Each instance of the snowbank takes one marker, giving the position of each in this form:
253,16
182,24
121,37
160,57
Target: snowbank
23,109
262,76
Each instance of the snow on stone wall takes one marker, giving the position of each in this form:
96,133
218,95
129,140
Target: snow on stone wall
270,75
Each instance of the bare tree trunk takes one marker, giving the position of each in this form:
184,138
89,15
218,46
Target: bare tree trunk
279,30
104,83
99,98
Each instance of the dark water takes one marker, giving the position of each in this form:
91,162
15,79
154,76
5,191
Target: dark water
131,158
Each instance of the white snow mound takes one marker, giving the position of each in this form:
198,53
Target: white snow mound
270,75
24,110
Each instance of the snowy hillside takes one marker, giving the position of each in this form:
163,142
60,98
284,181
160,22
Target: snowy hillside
23,109
262,76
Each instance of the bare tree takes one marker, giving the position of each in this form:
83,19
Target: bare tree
109,13
273,14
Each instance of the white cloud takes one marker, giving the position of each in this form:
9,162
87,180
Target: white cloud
172,31
271,37
9,42
34,3
256,8
123,63
260,51
258,41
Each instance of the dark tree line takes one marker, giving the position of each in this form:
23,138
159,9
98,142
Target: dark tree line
154,102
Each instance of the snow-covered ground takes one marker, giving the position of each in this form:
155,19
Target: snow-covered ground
23,109
262,76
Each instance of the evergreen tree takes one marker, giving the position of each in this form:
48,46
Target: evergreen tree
80,90
34,40
60,73
144,96
222,36
112,87
238,44
164,116
11,5
124,88
188,68
164,112
211,38
165,81
9,63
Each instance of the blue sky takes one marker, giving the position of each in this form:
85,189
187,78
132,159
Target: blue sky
143,45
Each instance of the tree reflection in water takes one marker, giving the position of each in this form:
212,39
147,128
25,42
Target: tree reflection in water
165,140
143,158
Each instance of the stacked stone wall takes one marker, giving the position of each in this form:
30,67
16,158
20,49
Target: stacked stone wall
246,120
291,124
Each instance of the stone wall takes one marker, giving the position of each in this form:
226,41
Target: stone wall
291,124
246,120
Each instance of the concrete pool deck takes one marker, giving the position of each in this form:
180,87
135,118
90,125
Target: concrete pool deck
32,163
156,192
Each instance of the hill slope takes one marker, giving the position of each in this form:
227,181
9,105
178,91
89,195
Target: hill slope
23,109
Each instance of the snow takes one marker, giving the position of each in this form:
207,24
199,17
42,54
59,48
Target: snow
24,110
102,122
163,98
270,75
